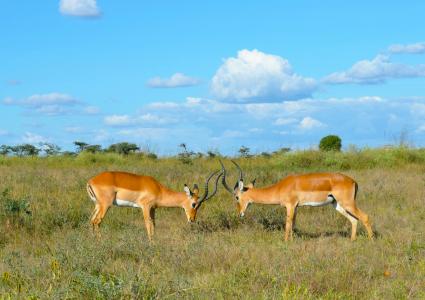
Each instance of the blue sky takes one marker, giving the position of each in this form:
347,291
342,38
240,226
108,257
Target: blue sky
215,75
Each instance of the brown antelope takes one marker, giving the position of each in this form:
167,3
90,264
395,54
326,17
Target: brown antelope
315,189
145,192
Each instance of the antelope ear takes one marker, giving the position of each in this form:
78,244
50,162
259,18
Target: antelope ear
195,189
240,185
251,185
187,190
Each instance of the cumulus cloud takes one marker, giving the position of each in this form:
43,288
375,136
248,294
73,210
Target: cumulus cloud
79,8
416,48
308,123
52,104
254,76
377,70
32,138
176,80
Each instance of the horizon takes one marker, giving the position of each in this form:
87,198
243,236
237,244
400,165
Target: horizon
212,75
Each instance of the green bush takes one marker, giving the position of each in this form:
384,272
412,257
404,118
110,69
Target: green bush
330,143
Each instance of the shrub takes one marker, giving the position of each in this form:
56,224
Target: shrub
14,211
244,152
330,143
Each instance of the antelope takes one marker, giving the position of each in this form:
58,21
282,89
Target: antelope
145,192
293,191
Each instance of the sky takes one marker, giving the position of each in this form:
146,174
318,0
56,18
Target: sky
214,75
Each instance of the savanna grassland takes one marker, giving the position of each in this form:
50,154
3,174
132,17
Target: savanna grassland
47,249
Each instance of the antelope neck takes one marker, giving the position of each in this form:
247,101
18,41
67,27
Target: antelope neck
171,198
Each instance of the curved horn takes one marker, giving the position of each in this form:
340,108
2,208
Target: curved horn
204,196
223,181
213,193
240,170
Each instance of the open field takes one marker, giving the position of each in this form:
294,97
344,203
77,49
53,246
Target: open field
52,253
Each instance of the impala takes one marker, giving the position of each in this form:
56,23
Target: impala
315,189
145,192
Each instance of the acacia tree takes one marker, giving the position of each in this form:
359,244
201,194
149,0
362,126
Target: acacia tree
81,146
244,152
123,148
93,148
5,149
25,150
50,149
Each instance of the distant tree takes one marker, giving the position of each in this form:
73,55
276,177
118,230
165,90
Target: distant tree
50,149
25,150
93,148
244,152
282,150
123,148
330,143
5,149
81,146
185,156
68,153
152,155
266,154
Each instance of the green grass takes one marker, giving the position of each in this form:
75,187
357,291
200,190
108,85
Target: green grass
47,249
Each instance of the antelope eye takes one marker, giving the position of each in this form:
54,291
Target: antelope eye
237,198
193,205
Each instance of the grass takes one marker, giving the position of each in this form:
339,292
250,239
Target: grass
47,249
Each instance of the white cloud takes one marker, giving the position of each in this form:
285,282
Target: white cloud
284,121
254,76
176,80
52,104
416,48
233,134
32,138
91,110
118,120
146,133
308,123
377,70
127,120
79,8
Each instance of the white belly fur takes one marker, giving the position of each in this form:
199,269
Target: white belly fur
328,200
120,202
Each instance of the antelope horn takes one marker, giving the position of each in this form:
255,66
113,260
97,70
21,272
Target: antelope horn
205,195
213,193
223,180
240,170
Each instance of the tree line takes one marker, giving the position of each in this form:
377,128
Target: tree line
49,149
327,143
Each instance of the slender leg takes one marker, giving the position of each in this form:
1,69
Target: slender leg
290,212
349,217
97,218
148,221
93,215
105,199
364,218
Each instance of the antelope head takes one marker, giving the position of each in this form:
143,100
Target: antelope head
240,192
194,200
